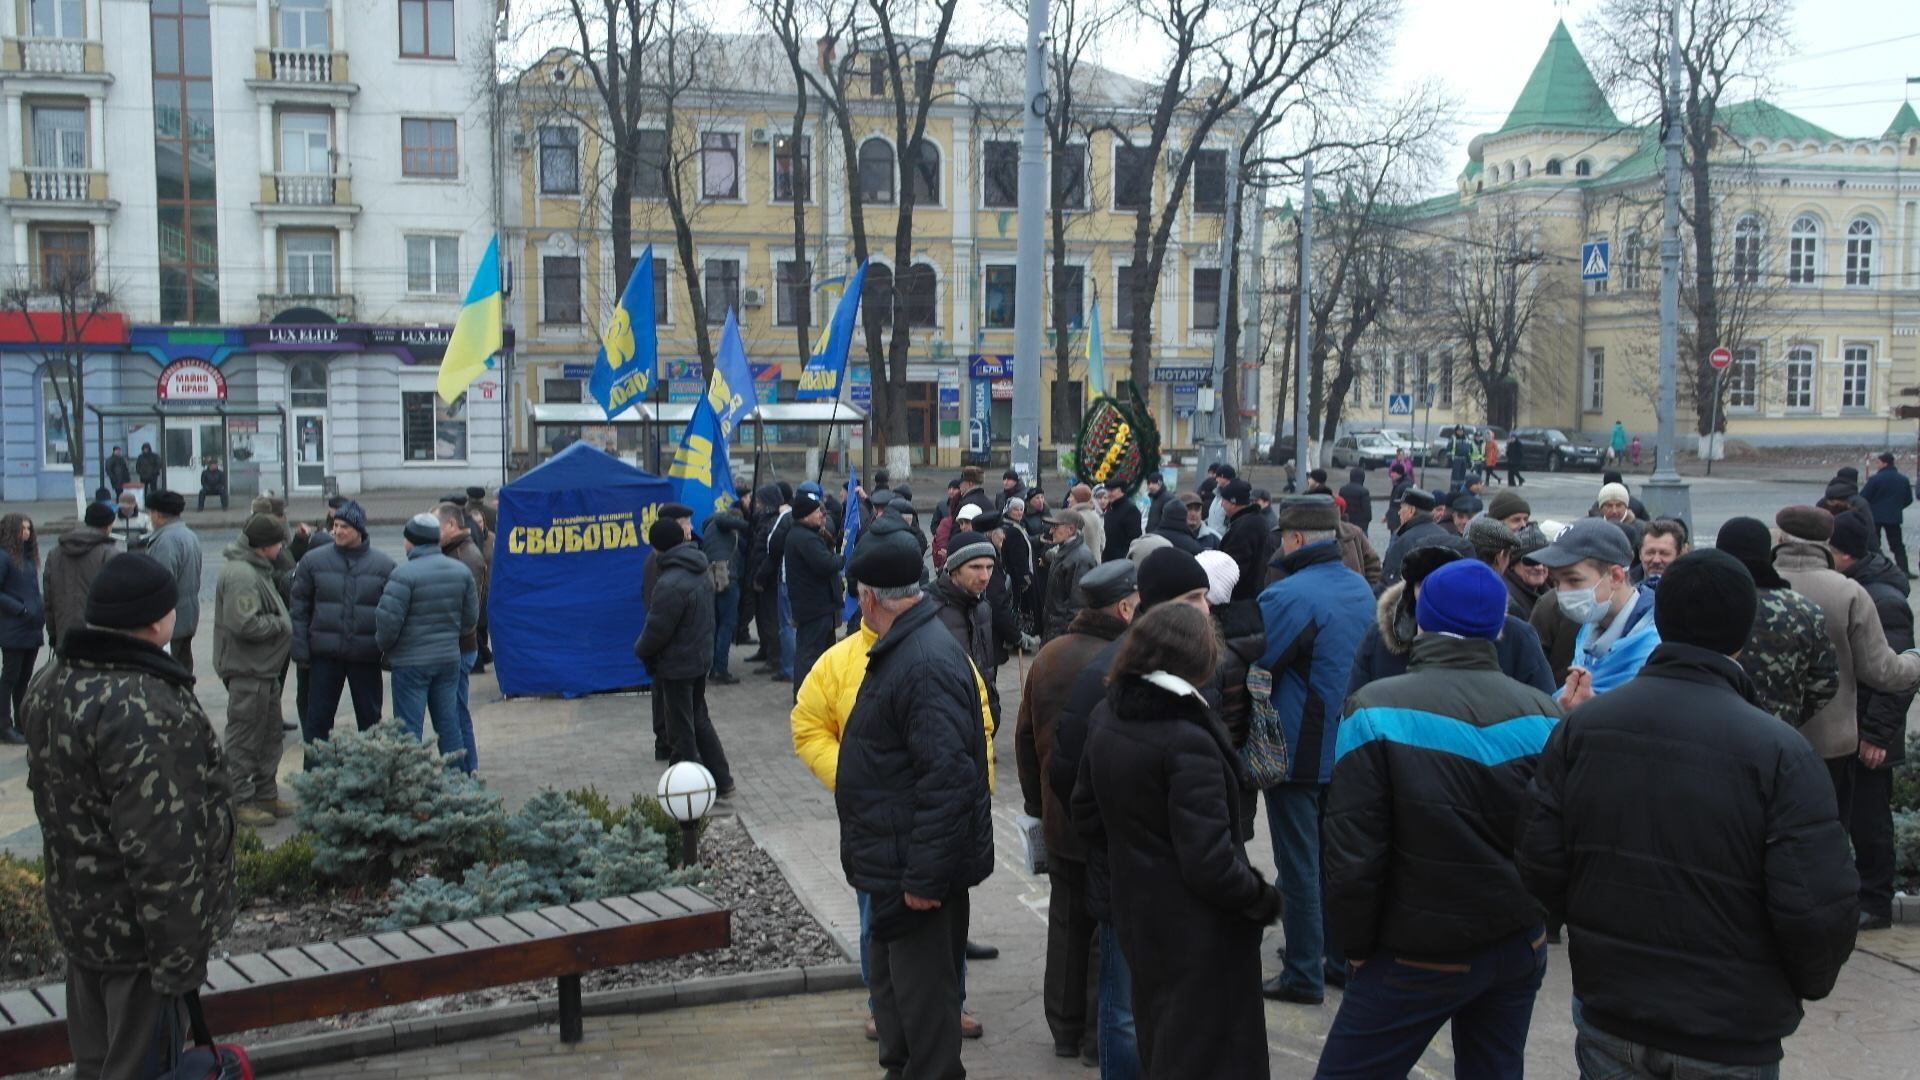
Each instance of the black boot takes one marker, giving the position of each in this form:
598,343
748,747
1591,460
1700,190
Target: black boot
12,737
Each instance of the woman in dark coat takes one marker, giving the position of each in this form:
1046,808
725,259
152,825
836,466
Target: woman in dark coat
22,618
1161,782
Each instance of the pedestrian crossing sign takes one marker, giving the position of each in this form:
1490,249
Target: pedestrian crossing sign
1400,405
1593,261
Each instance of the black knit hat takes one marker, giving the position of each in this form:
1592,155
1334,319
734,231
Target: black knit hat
886,561
665,535
1852,536
1749,542
171,503
98,515
1169,572
476,493
1706,598
130,592
803,505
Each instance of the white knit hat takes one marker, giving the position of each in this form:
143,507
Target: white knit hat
1222,575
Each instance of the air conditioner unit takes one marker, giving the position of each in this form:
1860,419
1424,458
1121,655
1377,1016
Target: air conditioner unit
760,137
753,297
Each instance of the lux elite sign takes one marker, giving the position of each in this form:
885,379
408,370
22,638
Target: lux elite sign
192,379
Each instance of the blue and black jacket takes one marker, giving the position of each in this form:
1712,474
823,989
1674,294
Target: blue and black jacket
1429,787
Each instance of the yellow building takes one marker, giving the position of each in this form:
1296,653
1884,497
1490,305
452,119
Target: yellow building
736,164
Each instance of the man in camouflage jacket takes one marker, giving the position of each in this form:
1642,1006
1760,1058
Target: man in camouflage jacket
131,792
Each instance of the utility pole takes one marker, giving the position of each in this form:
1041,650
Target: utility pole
1213,447
1305,349
1027,313
1665,493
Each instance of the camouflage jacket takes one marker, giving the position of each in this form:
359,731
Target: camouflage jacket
135,812
1788,656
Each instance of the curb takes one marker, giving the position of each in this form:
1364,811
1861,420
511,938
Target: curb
396,1035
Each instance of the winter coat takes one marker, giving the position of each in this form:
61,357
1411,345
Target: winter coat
677,642
813,577
1359,501
132,531
1249,542
467,553
1405,538
22,611
175,547
1159,791
1387,648
766,514
1016,559
723,539
1883,716
916,815
1065,566
1356,552
430,602
136,814
1521,597
968,618
1888,494
213,481
71,567
1244,637
1428,792
119,472
1157,506
148,466
1860,647
1172,524
336,592
1018,491
1788,658
252,631
1315,618
1094,530
1557,633
1121,527
1677,829
1630,650
1050,680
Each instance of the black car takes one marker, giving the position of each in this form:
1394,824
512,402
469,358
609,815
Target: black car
1554,450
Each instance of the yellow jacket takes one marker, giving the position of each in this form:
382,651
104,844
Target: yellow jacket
826,700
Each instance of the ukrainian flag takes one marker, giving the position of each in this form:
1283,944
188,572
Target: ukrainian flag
477,334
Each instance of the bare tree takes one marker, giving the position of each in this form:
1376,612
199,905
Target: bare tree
684,64
61,307
1494,287
783,18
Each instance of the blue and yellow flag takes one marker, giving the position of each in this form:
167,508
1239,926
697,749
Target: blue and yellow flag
820,379
477,333
624,369
701,473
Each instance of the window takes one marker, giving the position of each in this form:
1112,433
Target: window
1069,295
309,263
306,143
792,172
560,290
1553,166
1210,181
878,74
1526,168
1422,379
650,164
876,296
1860,253
721,289
662,314
1400,373
998,311
59,137
1800,378
302,24
919,295
1126,288
1593,382
1583,167
1070,178
1747,240
307,381
1206,298
876,172
563,391
1001,176
431,430
186,203
1630,265
426,30
1743,380
926,176
559,160
58,19
1803,252
53,387
792,290
1132,177
66,257
1445,387
433,265
427,149
1377,379
719,165
1854,392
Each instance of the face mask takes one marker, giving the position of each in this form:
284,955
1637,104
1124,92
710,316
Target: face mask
1583,606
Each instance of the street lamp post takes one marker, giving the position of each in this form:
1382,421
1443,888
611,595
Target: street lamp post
1665,493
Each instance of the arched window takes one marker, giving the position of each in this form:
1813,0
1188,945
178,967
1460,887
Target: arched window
926,176
918,289
1803,251
1553,166
1748,241
876,296
876,174
1860,253
1583,167
1526,167
1509,175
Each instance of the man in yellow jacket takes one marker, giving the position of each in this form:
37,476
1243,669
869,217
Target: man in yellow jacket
820,711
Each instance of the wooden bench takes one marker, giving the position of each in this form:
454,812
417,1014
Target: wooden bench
261,990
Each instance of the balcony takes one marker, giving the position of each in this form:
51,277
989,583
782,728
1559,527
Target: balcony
54,56
337,306
306,189
43,185
300,74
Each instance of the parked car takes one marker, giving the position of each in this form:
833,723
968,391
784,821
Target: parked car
1369,451
1398,438
1554,450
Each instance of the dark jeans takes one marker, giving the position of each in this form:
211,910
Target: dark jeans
1293,817
326,679
726,611
468,660
1513,473
1601,1056
1896,544
810,639
745,609
202,499
1872,828
916,992
1393,1008
16,671
1119,1036
683,704
1840,771
1071,988
766,623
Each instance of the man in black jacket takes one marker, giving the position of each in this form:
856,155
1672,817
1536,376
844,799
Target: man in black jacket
677,647
1358,499
813,585
1693,845
1157,498
1246,539
1172,524
916,824
1120,526
1416,522
1428,786
723,539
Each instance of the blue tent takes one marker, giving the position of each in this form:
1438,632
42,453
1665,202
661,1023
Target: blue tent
564,607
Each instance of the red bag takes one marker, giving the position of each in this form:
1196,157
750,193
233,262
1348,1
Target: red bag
207,1060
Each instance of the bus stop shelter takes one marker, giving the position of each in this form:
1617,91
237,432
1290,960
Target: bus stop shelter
241,438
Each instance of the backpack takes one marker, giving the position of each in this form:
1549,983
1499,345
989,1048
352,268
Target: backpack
1265,753
206,1060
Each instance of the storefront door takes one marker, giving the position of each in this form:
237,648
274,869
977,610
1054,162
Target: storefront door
923,425
309,449
190,442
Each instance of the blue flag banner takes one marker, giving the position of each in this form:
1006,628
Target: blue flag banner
624,369
701,473
849,535
827,367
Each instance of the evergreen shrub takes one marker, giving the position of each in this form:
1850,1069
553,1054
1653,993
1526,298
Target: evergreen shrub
285,872
28,948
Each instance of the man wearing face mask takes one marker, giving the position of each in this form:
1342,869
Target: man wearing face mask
1589,563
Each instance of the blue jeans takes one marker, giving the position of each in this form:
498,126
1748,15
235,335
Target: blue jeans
1394,1007
784,615
472,760
431,688
1119,1053
1293,816
726,616
1601,1056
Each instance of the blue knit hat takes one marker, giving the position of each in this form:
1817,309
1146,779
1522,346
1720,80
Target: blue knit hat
1464,598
